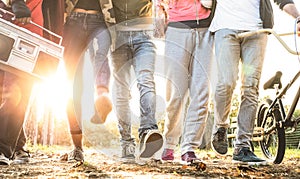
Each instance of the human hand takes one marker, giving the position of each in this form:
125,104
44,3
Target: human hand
21,11
298,28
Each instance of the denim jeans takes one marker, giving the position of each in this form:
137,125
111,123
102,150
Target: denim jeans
188,59
134,49
230,51
15,98
79,30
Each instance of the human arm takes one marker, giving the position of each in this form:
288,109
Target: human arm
293,11
160,18
289,7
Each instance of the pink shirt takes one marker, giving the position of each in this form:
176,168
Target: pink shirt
185,10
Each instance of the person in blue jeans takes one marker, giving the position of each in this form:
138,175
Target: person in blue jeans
134,48
85,22
231,18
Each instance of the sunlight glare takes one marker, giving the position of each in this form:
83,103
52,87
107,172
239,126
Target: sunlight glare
51,95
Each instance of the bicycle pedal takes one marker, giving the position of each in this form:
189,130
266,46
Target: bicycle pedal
258,134
258,130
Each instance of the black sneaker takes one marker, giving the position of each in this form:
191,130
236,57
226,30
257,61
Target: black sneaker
4,160
246,156
219,142
21,157
151,142
76,155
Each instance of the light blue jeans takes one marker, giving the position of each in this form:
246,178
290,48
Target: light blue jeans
230,51
134,49
188,59
98,51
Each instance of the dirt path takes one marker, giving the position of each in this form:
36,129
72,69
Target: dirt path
48,165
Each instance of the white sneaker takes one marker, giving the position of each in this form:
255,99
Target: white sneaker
128,153
21,157
151,142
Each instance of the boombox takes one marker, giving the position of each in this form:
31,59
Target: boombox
27,54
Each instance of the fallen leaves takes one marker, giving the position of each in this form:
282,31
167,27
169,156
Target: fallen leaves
97,165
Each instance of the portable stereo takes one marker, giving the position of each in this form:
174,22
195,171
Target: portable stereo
27,54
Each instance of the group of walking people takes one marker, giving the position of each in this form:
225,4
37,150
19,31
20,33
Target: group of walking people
196,32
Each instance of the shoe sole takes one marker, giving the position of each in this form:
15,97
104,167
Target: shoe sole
20,161
194,161
128,160
153,144
263,163
167,160
103,107
4,163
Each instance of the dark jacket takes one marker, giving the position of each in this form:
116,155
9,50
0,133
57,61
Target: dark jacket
206,22
126,10
266,11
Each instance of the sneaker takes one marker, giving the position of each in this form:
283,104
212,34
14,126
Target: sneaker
219,142
76,155
246,156
188,157
4,160
151,142
103,107
21,156
168,155
128,151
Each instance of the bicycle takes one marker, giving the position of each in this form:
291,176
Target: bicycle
273,120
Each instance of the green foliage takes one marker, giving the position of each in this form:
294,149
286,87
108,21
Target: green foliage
234,106
296,113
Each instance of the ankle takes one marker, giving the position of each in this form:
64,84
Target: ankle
102,90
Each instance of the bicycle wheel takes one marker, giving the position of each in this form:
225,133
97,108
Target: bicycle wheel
273,143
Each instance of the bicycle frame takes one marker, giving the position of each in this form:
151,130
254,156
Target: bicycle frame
287,119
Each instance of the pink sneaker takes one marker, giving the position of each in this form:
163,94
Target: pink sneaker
168,155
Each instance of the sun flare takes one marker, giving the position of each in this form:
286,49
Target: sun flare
51,95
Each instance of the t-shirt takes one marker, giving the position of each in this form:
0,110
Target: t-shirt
88,5
237,15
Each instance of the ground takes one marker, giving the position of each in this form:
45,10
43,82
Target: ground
47,163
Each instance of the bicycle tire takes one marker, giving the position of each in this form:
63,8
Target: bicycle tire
273,144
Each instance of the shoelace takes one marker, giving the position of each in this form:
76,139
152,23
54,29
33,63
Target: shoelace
130,148
77,152
247,152
221,135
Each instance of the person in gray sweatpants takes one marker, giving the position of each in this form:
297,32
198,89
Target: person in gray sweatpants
188,62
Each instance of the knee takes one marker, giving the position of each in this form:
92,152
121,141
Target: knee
225,88
250,88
